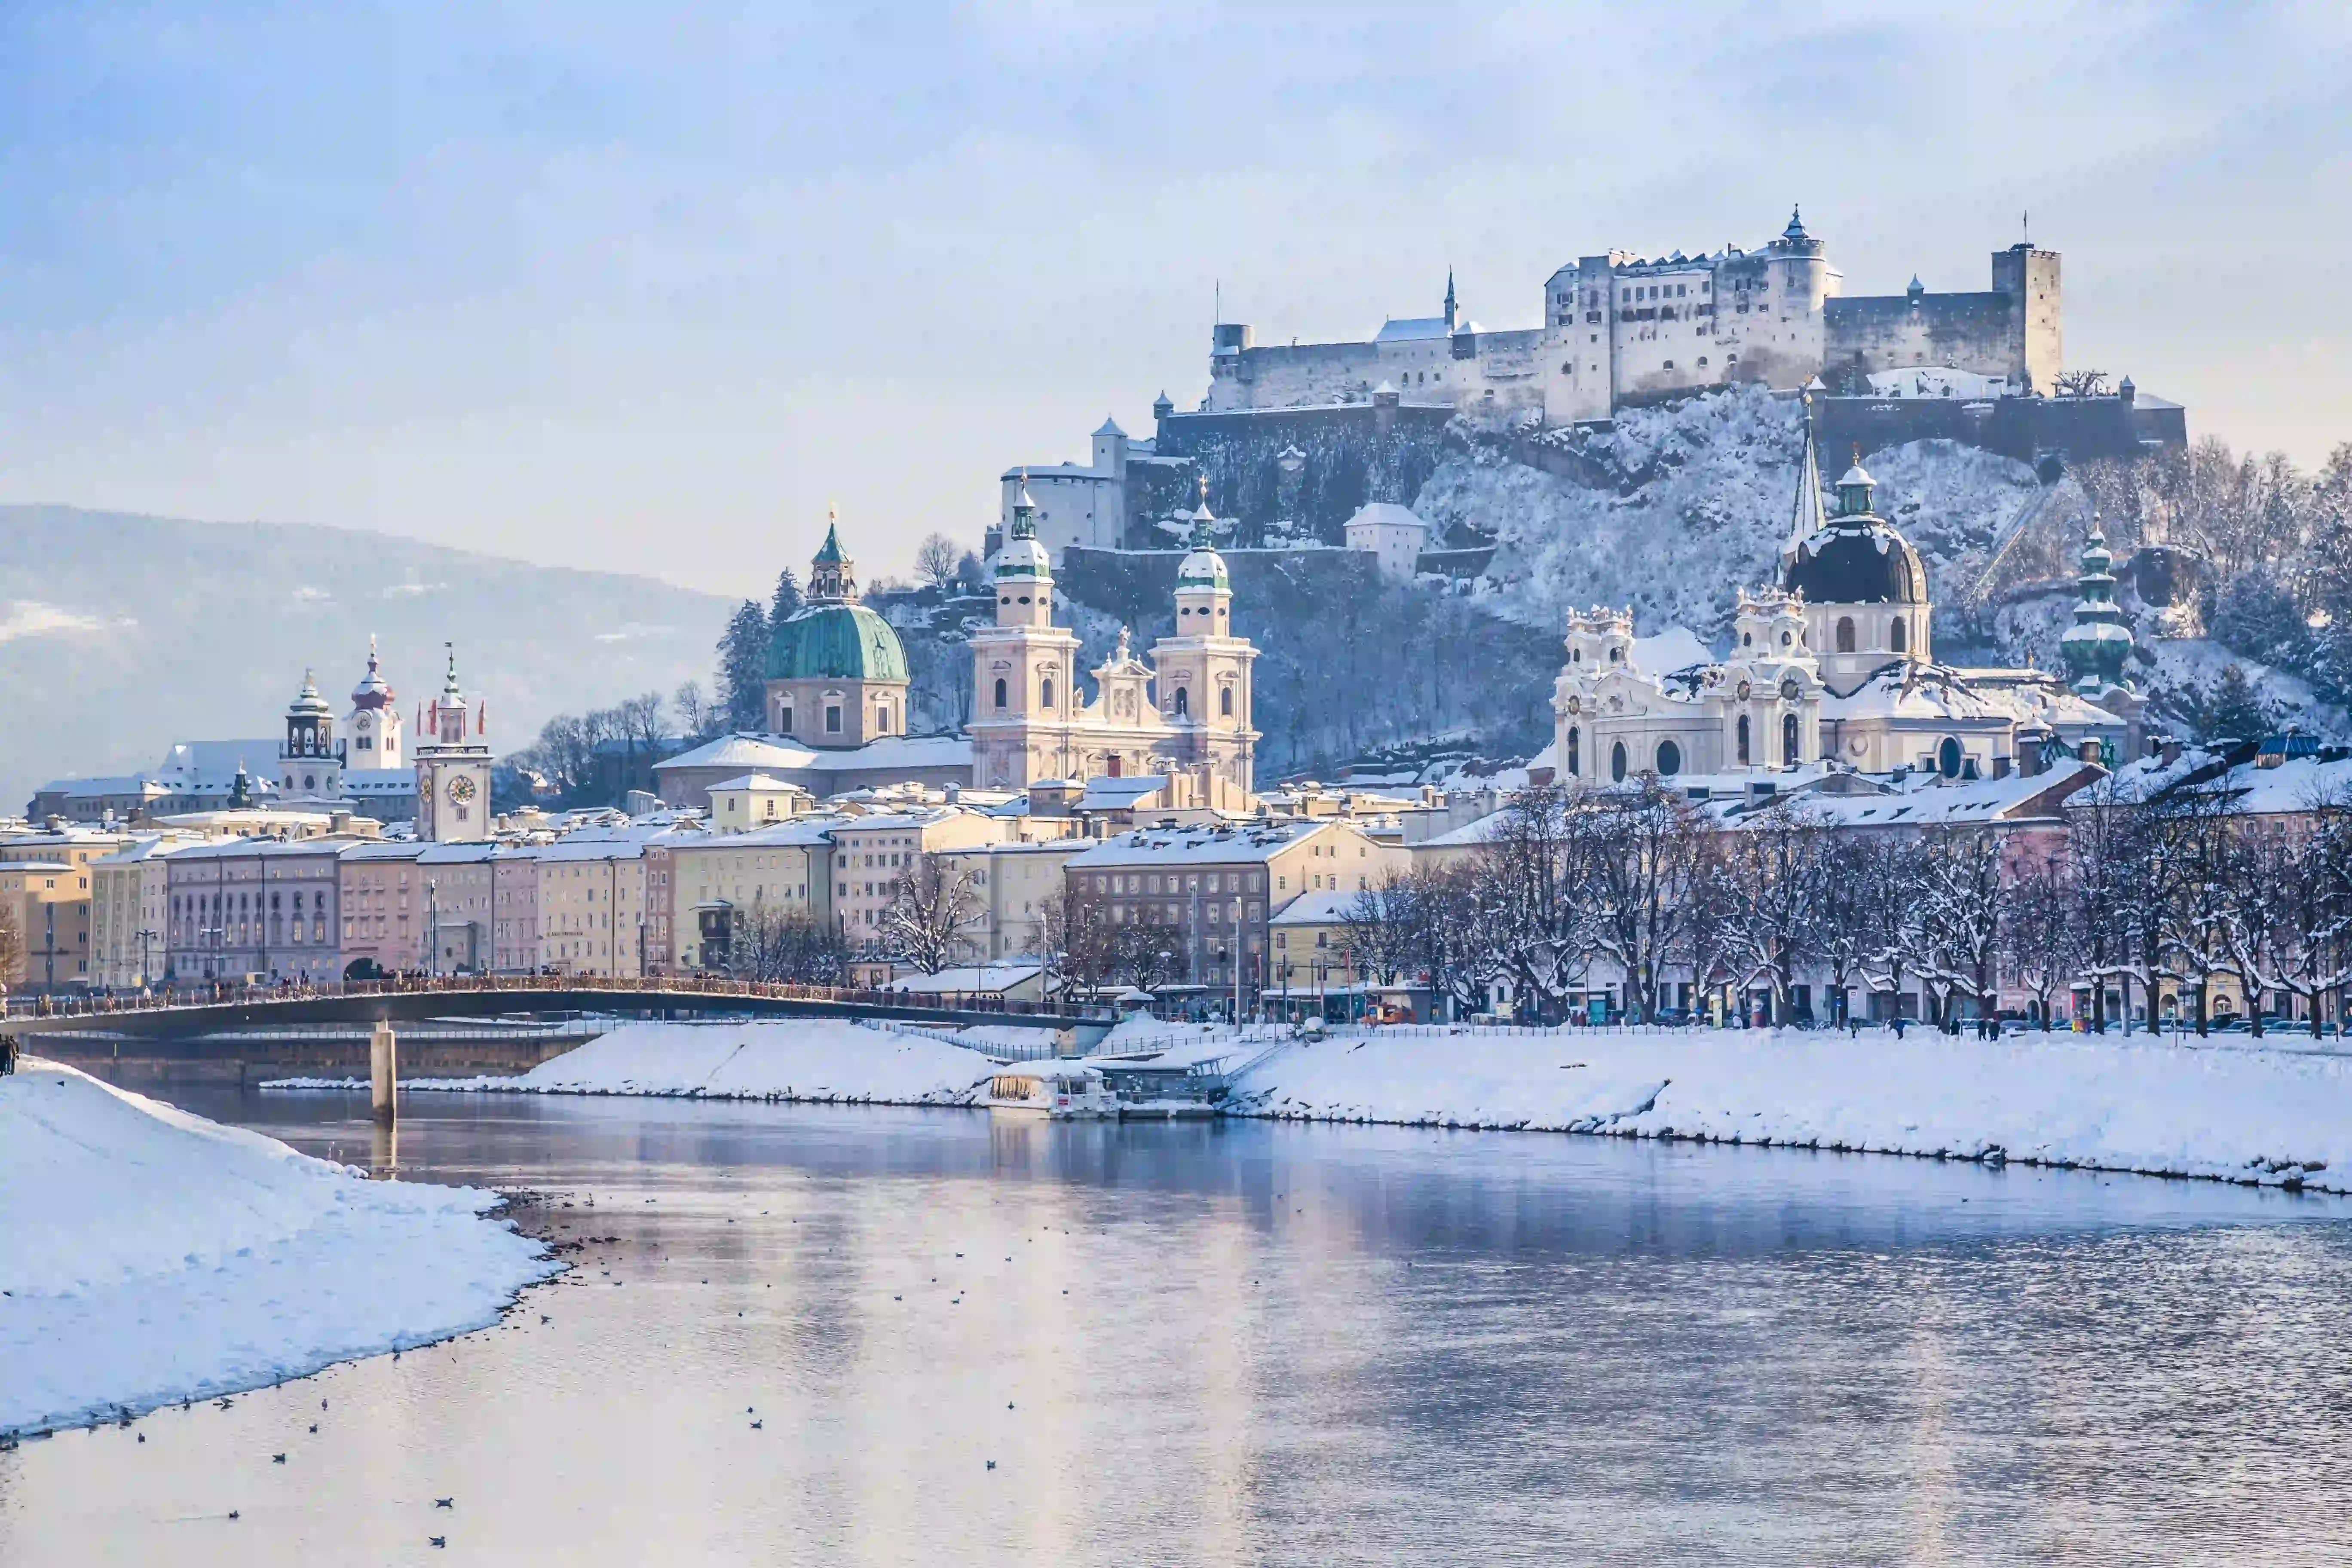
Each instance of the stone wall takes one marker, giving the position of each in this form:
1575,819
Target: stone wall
2025,428
1980,332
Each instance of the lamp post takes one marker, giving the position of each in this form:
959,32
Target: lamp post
433,926
146,943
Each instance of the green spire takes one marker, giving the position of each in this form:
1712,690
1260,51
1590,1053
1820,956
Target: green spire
2097,645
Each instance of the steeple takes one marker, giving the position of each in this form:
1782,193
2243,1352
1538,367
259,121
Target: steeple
833,577
1204,521
1853,488
1449,299
1805,518
2098,642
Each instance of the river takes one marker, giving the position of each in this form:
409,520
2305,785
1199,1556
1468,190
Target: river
981,1340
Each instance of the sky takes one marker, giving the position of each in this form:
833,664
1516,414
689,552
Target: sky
647,288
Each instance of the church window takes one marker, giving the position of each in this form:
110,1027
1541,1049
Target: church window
1895,635
1786,639
1845,634
1000,693
1616,654
1045,692
1617,762
1747,639
833,719
1225,702
1743,737
1575,740
1948,758
1183,702
784,720
1788,739
1670,759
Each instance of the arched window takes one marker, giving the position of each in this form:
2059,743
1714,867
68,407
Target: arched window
1183,702
1045,693
1895,634
1575,736
1615,654
1670,759
1845,634
1226,702
1000,693
1788,739
1743,738
1948,758
1617,762
784,721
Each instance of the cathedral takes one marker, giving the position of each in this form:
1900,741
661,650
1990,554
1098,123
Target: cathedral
1187,711
1833,665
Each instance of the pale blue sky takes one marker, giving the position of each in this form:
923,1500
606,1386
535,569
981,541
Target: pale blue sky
644,288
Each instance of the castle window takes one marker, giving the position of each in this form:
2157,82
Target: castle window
1743,738
1045,692
1789,739
1670,759
1845,634
1226,702
1000,693
1895,634
1617,762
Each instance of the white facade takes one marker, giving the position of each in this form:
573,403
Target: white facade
1395,535
453,772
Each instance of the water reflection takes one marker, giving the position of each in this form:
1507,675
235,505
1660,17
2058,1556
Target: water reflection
1246,1343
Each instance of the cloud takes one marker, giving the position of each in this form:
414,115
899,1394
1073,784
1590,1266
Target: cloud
31,619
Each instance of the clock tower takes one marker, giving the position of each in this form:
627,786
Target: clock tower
452,769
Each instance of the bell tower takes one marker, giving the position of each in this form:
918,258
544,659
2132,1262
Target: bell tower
1025,699
1203,669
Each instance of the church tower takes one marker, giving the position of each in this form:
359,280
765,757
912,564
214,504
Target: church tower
453,769
2098,643
1023,668
1203,671
375,721
310,762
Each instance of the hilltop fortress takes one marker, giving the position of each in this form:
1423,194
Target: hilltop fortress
1620,329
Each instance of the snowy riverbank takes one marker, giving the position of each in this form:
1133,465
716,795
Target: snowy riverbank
824,1060
2280,1118
148,1256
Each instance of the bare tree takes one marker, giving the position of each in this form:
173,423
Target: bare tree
1380,929
936,560
12,947
783,945
1074,941
1962,892
931,904
696,717
1635,864
1773,865
2082,383
2041,935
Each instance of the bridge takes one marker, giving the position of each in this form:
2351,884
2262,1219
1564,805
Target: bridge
467,1024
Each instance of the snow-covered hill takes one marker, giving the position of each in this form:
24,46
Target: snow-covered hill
1705,493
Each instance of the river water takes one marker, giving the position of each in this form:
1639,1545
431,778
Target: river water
1253,1343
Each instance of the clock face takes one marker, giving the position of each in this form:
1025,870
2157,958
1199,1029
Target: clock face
461,788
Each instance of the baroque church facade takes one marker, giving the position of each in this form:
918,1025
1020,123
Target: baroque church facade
1833,665
1188,710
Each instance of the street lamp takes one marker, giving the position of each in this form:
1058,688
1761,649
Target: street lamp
433,926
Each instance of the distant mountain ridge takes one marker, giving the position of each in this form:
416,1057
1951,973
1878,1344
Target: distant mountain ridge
121,634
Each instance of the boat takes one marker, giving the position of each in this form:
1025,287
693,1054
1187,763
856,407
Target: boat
1062,1091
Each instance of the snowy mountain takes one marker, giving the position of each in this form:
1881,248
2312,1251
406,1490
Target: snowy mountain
120,634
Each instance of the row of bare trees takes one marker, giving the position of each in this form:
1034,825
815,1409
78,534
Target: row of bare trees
2173,900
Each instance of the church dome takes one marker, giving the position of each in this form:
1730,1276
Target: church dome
836,642
1846,564
1202,567
1856,557
374,690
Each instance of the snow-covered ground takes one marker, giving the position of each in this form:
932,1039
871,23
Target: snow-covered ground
148,1256
823,1059
2278,1117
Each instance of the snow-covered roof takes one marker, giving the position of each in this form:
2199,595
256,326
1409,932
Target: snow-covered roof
757,782
801,832
1676,647
756,754
1387,514
1105,794
1921,800
1060,471
110,784
1413,329
1320,909
1484,830
1199,845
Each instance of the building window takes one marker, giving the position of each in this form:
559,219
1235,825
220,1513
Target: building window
1845,634
1670,759
1000,694
1183,702
1045,693
1743,738
1226,702
1948,758
1788,739
1575,740
833,719
1617,762
1895,634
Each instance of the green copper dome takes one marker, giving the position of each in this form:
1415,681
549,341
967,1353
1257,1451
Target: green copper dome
836,642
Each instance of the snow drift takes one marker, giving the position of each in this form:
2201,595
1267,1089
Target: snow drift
149,1255
2276,1117
823,1059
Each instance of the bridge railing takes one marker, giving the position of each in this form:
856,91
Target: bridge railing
218,994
